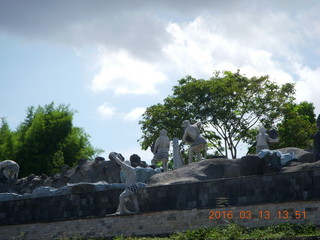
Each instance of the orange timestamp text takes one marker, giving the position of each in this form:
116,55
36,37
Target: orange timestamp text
283,214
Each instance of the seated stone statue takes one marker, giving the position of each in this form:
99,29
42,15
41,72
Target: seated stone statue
193,137
161,150
10,169
263,140
131,185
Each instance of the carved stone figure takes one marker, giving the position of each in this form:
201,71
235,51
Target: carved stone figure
316,142
177,159
10,169
263,140
131,185
193,137
161,150
135,160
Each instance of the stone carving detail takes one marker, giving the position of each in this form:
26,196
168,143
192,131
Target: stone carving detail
316,142
263,140
161,150
193,137
10,169
131,185
177,158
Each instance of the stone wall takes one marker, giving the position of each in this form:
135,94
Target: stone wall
287,187
167,222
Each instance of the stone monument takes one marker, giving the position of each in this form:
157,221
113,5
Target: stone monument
131,185
316,142
177,159
263,140
161,150
10,169
193,137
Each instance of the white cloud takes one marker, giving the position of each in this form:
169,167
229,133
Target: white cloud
308,86
105,111
134,114
198,50
123,74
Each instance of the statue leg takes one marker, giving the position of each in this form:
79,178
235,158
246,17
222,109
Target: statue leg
190,154
199,156
135,202
154,162
122,198
165,164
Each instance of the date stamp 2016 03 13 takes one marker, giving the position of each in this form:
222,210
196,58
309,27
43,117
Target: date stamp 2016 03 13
263,214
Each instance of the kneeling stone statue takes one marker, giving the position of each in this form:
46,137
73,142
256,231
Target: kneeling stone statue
131,185
10,169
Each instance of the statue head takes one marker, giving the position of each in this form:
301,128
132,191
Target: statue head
135,160
262,130
185,123
163,132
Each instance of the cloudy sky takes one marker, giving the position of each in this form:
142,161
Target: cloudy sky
111,59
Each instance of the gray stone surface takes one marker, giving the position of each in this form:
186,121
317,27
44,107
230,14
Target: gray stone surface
301,167
240,191
86,171
198,171
252,165
302,155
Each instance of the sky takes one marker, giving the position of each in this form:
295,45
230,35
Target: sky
111,59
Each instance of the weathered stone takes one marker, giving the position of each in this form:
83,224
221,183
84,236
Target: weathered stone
252,165
99,159
198,171
10,169
301,167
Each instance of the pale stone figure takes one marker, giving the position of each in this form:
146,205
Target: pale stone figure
131,185
10,169
161,150
263,140
177,159
193,137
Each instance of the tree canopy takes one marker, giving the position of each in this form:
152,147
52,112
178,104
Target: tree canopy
45,140
228,104
298,126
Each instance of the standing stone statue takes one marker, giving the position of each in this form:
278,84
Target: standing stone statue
161,150
316,142
131,185
10,169
177,159
263,140
193,137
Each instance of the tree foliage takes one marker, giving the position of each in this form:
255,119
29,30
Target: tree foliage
298,126
229,104
45,141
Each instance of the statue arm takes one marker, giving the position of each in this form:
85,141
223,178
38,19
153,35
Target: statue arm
271,140
184,138
156,146
125,166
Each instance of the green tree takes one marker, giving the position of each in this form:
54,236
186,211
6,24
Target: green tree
6,141
229,104
298,126
47,139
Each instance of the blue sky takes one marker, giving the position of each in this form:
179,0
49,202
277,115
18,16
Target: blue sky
112,59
